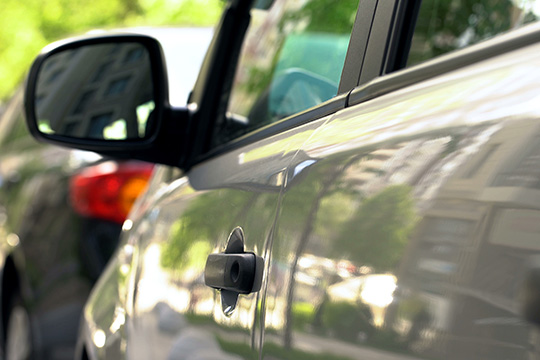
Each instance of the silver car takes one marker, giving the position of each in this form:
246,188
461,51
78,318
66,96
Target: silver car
349,180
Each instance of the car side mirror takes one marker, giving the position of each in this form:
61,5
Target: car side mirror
106,94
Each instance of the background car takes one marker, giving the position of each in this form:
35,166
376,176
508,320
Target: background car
322,198
61,212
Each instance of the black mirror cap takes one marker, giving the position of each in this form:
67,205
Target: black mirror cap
167,124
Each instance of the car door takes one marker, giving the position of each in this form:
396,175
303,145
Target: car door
407,219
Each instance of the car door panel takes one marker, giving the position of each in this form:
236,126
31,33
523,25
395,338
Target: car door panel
180,221
189,225
409,233
396,220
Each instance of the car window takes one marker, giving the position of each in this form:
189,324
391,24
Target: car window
292,60
447,25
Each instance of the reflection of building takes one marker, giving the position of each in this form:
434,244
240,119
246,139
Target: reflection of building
82,91
465,267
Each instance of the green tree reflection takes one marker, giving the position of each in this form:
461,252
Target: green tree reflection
446,25
376,235
307,200
322,17
207,222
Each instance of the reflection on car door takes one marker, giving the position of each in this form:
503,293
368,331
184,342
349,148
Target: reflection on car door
171,302
409,233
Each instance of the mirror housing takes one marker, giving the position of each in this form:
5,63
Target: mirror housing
107,94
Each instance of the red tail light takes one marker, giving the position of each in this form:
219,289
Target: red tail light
108,190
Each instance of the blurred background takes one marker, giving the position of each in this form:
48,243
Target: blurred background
27,26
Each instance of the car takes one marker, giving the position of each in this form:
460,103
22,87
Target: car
61,213
348,180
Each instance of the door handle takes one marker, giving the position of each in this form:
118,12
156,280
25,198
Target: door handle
234,271
240,273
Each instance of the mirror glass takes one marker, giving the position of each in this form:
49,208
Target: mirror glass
102,91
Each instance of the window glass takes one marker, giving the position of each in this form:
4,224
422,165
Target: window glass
447,25
291,60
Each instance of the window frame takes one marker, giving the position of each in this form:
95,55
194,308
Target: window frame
391,75
352,69
374,65
388,83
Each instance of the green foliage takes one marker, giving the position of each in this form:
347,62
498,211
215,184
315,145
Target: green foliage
170,12
347,320
302,315
27,26
326,16
314,37
199,227
388,340
204,223
274,351
182,251
377,233
446,25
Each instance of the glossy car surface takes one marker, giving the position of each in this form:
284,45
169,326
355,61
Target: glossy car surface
397,217
61,212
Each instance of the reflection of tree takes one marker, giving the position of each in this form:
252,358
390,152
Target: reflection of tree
321,24
207,221
347,320
202,223
326,187
321,16
377,233
446,25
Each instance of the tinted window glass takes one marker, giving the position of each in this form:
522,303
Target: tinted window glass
447,25
291,60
